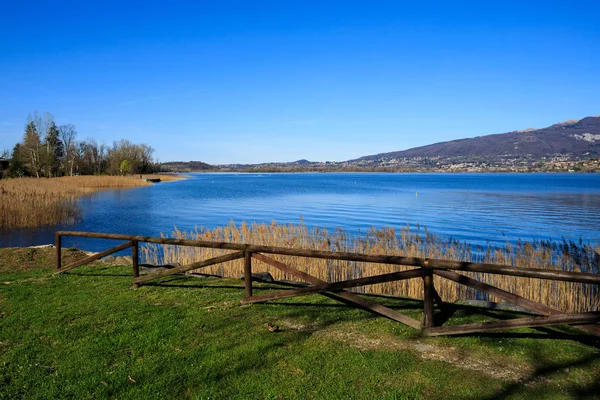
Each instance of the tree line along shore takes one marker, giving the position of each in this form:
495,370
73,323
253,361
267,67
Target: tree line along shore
51,150
74,168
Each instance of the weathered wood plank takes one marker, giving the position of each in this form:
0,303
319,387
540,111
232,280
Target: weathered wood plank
583,318
346,296
337,286
428,300
248,273
151,239
196,265
135,259
95,257
58,252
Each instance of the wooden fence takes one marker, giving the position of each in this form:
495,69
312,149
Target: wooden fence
423,269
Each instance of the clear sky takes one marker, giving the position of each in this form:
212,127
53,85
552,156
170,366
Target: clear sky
256,81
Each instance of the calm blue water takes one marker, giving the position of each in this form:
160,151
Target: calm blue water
480,209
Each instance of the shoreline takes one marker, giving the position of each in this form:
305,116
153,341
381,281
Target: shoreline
385,172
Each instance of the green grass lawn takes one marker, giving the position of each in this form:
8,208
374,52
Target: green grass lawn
86,334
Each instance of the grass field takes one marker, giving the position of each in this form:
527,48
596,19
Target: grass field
33,202
86,334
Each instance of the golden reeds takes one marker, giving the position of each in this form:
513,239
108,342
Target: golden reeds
32,202
565,296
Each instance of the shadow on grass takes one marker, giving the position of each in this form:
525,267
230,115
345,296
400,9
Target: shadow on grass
546,371
341,303
550,332
92,274
163,285
446,313
546,333
261,356
96,270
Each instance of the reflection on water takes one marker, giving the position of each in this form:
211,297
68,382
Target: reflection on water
476,208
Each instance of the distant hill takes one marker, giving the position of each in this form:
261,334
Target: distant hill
570,138
186,166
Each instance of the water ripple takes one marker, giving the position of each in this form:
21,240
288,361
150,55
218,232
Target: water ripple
476,208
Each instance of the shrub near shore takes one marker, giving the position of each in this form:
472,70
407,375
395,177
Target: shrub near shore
564,296
32,202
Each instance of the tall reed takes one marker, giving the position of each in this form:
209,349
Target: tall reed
32,202
565,296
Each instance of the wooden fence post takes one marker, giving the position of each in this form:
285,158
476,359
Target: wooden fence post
135,263
428,295
58,251
248,273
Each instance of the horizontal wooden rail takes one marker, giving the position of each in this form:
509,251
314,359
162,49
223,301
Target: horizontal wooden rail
336,286
580,277
574,319
94,257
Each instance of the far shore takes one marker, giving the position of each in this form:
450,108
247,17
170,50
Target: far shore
386,171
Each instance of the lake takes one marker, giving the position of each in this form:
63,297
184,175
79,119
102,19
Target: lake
479,209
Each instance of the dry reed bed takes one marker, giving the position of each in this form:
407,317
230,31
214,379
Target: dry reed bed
565,296
32,202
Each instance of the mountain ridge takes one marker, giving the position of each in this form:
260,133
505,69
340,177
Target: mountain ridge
575,138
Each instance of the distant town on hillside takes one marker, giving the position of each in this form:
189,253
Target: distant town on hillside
570,146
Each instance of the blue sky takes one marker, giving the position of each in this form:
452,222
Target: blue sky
258,81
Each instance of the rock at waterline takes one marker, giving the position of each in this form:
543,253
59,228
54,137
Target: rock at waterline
108,260
261,277
123,260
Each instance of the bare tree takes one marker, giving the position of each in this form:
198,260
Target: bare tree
68,134
50,149
145,152
97,155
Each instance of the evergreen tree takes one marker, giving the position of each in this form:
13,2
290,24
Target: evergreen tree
54,150
16,168
31,149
